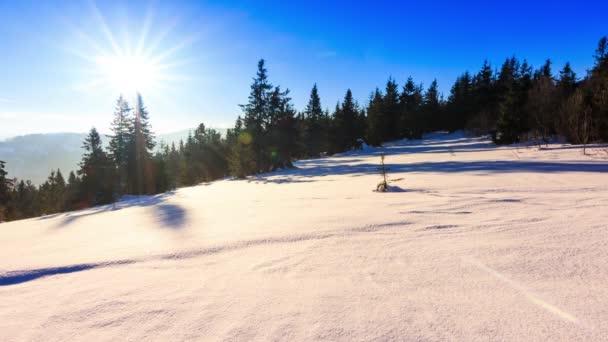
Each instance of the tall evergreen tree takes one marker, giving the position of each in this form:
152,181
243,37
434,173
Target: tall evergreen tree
282,129
72,196
596,92
313,125
377,120
5,188
411,114
391,108
120,140
256,117
432,108
241,161
348,123
97,172
141,142
541,104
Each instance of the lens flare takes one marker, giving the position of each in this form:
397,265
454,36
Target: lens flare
129,74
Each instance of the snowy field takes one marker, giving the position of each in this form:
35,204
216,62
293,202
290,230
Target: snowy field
477,243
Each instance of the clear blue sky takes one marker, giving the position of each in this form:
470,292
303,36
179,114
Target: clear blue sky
209,51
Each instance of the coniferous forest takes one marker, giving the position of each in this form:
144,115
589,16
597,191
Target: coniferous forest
513,102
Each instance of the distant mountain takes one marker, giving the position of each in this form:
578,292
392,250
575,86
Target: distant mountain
33,156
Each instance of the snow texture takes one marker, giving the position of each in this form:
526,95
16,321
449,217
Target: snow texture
480,243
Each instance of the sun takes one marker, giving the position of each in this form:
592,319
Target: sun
129,74
145,60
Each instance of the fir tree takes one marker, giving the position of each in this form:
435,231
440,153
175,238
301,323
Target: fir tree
120,140
348,127
432,108
5,188
256,117
72,196
391,109
541,102
313,125
411,114
97,172
141,142
241,161
282,132
377,122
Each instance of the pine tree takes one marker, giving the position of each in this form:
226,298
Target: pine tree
512,120
256,117
97,172
141,142
460,103
5,188
174,167
541,102
432,109
391,108
118,146
241,161
411,114
377,122
72,196
596,94
313,125
282,130
348,126
567,81
26,200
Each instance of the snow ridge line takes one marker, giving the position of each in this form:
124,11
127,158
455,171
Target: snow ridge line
23,276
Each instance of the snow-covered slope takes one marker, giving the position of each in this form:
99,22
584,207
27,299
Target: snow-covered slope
480,243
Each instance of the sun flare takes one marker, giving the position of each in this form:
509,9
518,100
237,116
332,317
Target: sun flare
129,74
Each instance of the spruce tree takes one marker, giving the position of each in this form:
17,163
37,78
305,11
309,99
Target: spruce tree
391,108
347,121
377,121
432,109
313,125
5,188
282,129
596,92
541,104
97,172
256,117
411,114
118,147
567,81
72,199
141,142
241,161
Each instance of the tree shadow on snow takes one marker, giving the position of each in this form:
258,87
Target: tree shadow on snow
18,277
487,167
170,214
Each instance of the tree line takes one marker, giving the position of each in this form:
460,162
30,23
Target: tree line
513,103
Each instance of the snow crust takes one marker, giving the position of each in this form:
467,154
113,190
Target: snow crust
480,243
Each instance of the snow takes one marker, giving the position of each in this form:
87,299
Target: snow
479,243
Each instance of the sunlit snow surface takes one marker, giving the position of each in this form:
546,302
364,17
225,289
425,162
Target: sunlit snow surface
477,243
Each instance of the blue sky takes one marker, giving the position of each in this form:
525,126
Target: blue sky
209,51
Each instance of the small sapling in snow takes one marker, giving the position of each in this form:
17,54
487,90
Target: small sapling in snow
384,185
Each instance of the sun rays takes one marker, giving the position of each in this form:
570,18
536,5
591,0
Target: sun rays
135,59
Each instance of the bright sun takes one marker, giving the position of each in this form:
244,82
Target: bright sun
130,62
129,74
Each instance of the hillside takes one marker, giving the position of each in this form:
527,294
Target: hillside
476,242
33,156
